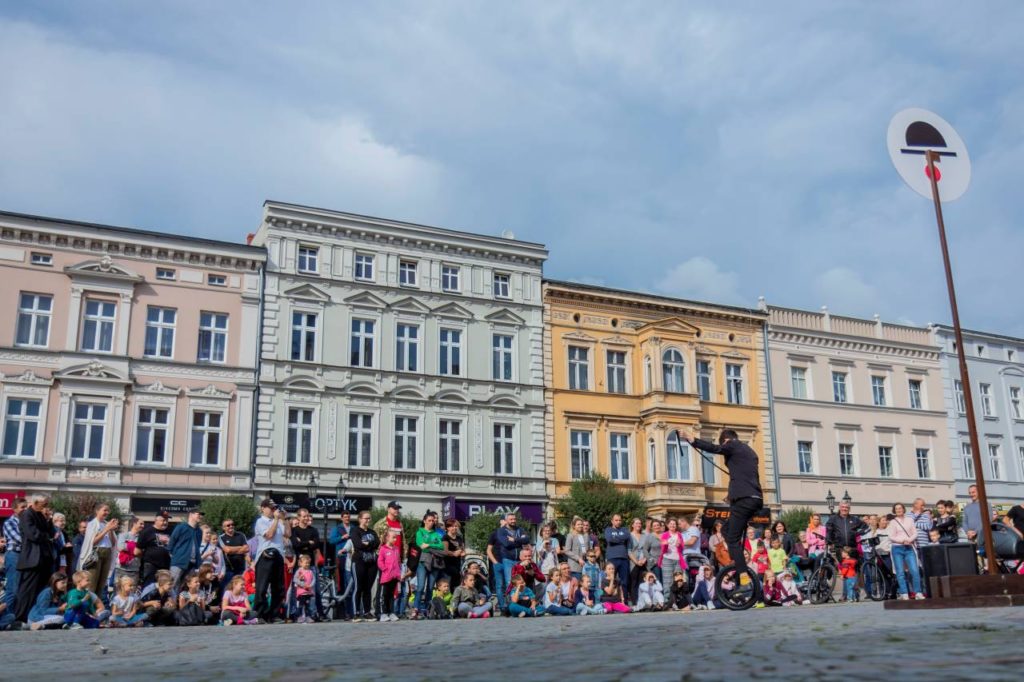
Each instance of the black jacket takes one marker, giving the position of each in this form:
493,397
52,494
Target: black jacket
37,540
741,460
842,532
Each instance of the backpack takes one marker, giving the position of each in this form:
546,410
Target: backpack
192,614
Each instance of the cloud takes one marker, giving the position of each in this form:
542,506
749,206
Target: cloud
845,293
699,278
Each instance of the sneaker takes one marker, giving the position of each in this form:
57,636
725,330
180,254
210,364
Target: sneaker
919,596
36,626
75,626
903,597
226,623
522,614
487,614
710,607
759,605
392,618
384,618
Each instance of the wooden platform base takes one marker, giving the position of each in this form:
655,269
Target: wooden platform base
967,592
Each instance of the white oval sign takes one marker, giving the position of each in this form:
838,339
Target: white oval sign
912,133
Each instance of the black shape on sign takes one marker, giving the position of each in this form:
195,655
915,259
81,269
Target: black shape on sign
923,136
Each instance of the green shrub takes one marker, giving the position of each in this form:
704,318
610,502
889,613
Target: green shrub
81,507
239,508
796,519
596,499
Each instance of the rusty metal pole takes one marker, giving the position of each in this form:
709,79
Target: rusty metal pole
965,379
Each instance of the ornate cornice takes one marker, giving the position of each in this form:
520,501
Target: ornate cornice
778,337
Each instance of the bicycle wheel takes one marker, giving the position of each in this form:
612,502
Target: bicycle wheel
822,584
875,579
737,594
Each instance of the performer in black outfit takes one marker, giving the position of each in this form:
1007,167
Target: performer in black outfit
745,496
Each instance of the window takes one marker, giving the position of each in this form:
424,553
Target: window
501,285
994,462
652,460
407,348
504,449
407,273
845,459
885,461
878,390
151,436
360,429
805,456
213,337
579,452
981,351
734,383
579,368
362,343
616,371
501,357
160,332
42,258
34,320
300,435
405,442
88,425
966,457
914,386
1015,408
1011,355
451,352
958,391
987,407
704,379
98,326
206,433
1020,458
21,427
450,277
924,464
217,280
678,459
673,369
304,336
619,449
165,274
364,267
309,257
839,387
798,379
449,444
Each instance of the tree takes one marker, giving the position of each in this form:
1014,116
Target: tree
239,508
478,528
78,507
796,519
595,499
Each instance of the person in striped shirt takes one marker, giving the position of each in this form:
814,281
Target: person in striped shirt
12,535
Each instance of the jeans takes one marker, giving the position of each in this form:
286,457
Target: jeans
123,622
466,610
86,620
506,576
740,513
11,574
425,579
904,557
558,610
584,610
516,609
701,597
850,588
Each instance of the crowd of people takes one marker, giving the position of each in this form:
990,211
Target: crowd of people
144,574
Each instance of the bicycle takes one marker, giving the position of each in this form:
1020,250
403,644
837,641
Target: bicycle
822,583
879,582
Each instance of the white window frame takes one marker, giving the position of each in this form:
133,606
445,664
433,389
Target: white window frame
926,459
618,372
878,397
213,331
682,459
307,259
1015,403
221,430
40,258
967,459
958,397
161,328
357,341
890,456
217,280
581,454
503,365
406,435
988,408
501,285
801,452
451,278
99,321
20,420
405,268
576,365
407,347
167,427
35,316
853,458
504,447
449,445
354,459
840,387
166,274
450,352
365,269
710,376
620,456
995,461
731,383
798,379
89,422
916,397
673,371
301,430
306,334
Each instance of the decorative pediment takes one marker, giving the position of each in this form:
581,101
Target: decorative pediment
211,392
505,316
504,401
672,324
92,370
157,388
579,336
308,292
453,310
364,299
408,393
733,355
616,341
302,383
701,349
104,268
28,377
364,388
410,304
453,396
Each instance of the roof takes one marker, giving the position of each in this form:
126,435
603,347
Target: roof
973,332
668,299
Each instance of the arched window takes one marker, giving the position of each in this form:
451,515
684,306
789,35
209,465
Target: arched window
674,372
652,461
678,458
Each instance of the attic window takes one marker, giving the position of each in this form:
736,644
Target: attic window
42,258
217,280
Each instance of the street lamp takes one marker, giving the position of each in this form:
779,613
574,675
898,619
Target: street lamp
830,500
311,487
846,497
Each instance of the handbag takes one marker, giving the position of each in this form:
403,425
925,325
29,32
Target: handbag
90,560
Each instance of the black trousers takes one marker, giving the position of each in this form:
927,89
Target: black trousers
740,513
636,576
366,574
387,596
31,582
269,573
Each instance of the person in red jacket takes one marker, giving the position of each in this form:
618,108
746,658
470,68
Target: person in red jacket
528,569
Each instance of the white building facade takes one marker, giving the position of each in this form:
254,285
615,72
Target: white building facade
405,358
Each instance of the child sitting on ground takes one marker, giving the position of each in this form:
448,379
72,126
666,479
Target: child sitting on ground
234,607
554,598
303,581
468,602
124,607
191,606
84,609
521,601
789,591
209,589
48,611
584,600
611,591
848,570
159,600
441,601
650,594
679,592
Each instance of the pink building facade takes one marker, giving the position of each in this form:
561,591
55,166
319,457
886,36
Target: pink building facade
127,362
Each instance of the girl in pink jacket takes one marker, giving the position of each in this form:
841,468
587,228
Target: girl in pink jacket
389,561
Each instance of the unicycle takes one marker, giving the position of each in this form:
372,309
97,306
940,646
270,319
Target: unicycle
735,593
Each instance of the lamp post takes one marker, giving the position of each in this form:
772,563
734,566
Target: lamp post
846,497
311,488
830,500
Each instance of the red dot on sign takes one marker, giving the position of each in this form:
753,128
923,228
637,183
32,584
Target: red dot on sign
928,172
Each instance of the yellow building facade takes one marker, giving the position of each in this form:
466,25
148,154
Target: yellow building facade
625,370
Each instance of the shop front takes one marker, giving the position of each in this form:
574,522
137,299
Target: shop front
462,510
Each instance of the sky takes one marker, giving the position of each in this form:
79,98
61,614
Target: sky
712,151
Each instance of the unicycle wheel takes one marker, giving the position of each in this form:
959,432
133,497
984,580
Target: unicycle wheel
737,593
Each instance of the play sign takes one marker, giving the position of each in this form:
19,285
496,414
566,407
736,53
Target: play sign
915,132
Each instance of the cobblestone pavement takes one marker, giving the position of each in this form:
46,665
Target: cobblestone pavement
825,642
